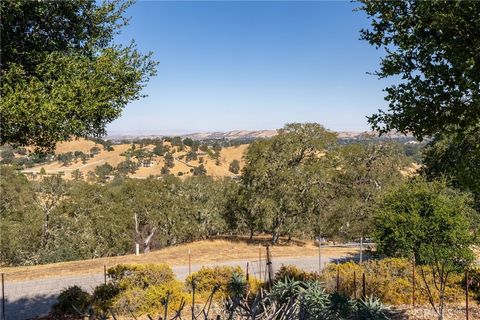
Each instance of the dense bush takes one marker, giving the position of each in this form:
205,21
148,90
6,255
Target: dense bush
103,295
152,299
72,301
129,276
474,282
389,279
209,278
293,272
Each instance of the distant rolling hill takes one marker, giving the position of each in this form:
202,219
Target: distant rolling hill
213,168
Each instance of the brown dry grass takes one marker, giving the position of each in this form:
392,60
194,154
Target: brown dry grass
207,251
114,158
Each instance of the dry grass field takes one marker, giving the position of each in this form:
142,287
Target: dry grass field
206,251
217,170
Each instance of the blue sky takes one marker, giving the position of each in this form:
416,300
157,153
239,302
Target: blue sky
252,65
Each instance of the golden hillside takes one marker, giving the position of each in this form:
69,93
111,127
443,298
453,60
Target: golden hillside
213,168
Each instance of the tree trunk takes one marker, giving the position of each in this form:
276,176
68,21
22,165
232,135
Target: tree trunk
441,309
251,233
275,237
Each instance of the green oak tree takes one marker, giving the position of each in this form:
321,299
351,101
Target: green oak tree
277,176
62,74
431,47
431,222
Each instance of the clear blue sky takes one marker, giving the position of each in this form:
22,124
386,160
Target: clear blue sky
252,65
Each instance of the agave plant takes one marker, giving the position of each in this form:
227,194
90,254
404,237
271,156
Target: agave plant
285,290
373,309
314,300
339,307
237,285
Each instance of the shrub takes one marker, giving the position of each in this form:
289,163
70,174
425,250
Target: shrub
151,300
208,278
71,301
103,296
255,285
474,286
389,279
129,276
294,273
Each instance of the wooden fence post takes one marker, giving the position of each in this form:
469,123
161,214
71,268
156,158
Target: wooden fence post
413,282
269,267
338,278
260,260
363,286
467,283
3,296
355,285
189,262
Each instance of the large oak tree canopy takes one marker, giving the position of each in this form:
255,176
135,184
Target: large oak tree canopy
62,75
434,46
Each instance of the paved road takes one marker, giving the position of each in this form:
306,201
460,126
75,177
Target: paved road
28,299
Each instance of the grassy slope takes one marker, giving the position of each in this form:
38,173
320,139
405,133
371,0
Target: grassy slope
207,251
114,158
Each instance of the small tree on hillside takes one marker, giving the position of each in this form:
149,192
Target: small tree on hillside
94,150
169,160
199,171
431,222
77,175
234,167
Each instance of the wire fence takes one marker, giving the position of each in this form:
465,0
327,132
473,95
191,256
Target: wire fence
27,299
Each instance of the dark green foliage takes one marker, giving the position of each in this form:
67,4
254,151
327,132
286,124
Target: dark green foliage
169,160
71,301
159,150
234,167
7,155
339,307
62,75
457,157
94,150
237,285
433,46
280,176
431,222
165,170
103,295
103,171
126,167
199,171
191,155
77,175
294,273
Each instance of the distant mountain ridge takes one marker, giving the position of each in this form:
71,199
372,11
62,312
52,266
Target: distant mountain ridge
241,134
